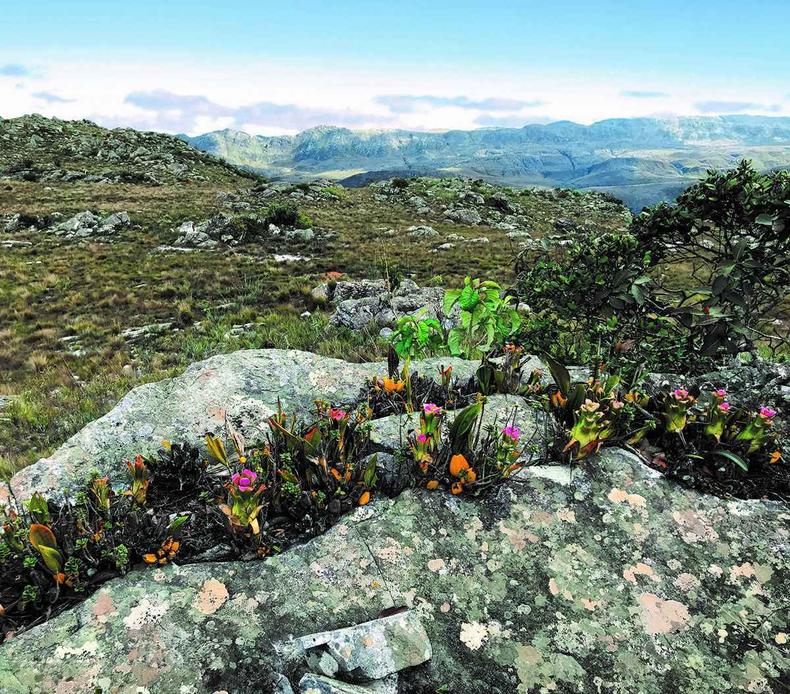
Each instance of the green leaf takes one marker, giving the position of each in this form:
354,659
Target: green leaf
733,458
369,476
454,342
463,423
451,296
559,373
765,219
469,298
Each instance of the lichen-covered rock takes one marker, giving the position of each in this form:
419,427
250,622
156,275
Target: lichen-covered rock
246,386
318,684
87,224
372,304
612,579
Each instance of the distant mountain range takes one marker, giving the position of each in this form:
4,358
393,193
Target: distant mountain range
640,160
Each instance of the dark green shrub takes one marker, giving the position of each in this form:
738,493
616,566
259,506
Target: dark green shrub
731,233
286,214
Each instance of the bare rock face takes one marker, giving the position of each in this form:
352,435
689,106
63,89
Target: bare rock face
613,578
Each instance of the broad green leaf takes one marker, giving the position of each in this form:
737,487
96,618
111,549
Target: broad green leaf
559,373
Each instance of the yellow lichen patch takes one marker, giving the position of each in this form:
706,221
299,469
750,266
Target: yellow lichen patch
473,635
662,616
103,607
687,582
211,597
436,565
566,515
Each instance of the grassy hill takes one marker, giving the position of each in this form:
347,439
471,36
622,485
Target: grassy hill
34,148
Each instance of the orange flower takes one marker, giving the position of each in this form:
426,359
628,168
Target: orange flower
457,487
392,386
458,464
364,499
470,476
335,473
433,484
775,457
558,400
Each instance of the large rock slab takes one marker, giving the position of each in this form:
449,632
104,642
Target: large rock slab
246,385
614,579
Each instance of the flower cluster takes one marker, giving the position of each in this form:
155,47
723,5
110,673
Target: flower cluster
508,451
758,429
244,501
678,404
590,429
426,441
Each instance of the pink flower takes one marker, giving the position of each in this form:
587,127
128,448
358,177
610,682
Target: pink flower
430,408
337,414
244,480
721,394
512,433
680,394
422,438
767,412
618,404
725,406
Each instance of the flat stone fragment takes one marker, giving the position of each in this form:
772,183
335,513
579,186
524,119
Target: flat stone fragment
319,684
375,649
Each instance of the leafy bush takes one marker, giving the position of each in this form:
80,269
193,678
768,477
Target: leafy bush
732,232
286,214
686,285
415,336
486,317
591,300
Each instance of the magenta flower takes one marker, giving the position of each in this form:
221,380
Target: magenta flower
431,408
337,414
422,438
680,394
512,433
725,406
767,412
244,480
721,394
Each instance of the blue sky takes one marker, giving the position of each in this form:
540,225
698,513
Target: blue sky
279,67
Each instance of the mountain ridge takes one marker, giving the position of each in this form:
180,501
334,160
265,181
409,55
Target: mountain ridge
642,160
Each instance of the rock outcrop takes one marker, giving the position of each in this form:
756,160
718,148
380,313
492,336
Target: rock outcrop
246,386
611,578
607,577
372,305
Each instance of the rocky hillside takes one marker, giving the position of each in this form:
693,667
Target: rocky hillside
34,148
640,160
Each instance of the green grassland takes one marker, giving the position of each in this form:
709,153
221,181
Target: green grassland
64,303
